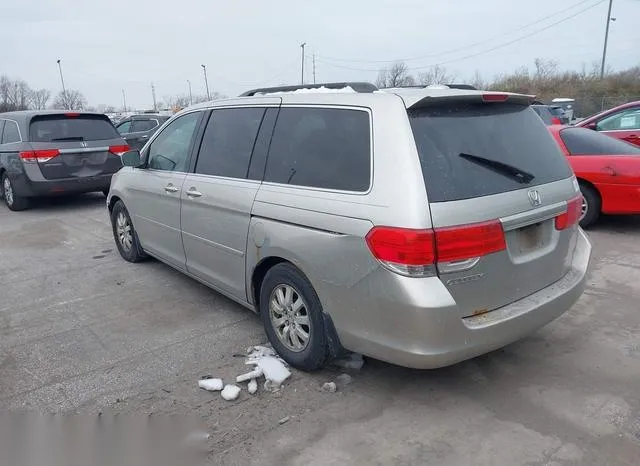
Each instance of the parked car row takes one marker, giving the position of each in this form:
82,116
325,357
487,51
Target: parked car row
417,226
46,153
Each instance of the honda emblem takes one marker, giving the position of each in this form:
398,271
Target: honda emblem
534,197
83,144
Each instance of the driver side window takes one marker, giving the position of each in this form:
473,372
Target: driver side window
124,128
170,150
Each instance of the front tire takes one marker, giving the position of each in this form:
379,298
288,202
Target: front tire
11,199
125,235
591,206
292,317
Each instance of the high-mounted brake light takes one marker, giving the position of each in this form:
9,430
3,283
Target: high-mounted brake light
417,252
571,216
119,150
42,155
72,114
494,97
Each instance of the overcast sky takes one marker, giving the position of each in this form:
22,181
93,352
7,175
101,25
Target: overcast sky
111,45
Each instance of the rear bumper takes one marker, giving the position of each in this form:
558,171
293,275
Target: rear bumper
422,329
27,187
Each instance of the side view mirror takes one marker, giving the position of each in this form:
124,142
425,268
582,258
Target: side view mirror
593,126
131,158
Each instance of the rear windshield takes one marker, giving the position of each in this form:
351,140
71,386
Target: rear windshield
51,128
473,150
544,113
582,141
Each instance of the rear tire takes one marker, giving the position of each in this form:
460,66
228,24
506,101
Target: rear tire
591,206
11,199
125,235
286,317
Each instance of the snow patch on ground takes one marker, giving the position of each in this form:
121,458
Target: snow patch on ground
230,392
212,385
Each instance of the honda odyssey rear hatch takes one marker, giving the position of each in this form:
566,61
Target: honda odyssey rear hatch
74,145
504,203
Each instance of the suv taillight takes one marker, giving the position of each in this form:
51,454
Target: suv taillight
119,150
416,253
571,216
41,155
556,121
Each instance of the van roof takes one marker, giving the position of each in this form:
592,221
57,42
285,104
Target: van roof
357,94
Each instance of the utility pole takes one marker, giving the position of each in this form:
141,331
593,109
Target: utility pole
606,39
153,93
190,94
124,101
302,46
206,82
64,91
314,68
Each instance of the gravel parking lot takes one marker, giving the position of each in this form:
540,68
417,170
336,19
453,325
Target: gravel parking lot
82,330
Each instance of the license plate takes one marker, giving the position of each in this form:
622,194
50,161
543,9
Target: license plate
529,238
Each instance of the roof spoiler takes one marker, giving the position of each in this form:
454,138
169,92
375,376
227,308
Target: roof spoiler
360,87
470,96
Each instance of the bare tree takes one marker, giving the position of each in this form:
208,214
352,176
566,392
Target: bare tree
436,75
40,98
478,82
70,100
14,94
395,76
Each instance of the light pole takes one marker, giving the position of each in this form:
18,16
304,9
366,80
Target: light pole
206,82
64,91
190,94
124,101
606,39
302,46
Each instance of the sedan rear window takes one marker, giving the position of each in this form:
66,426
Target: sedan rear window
472,150
582,141
61,127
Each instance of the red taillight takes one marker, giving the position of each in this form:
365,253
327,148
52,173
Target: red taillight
72,114
416,252
42,155
469,241
402,246
571,216
119,150
494,97
556,121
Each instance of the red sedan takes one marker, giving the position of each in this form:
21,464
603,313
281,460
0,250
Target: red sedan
621,122
607,169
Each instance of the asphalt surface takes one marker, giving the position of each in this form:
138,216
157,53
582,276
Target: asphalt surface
83,331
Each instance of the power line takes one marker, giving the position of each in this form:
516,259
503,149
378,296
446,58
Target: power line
474,44
475,54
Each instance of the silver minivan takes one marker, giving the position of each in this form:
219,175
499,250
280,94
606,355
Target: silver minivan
417,226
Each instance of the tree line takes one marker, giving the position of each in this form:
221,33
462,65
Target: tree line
544,80
16,94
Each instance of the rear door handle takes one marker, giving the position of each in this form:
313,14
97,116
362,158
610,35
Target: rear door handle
193,193
170,188
144,136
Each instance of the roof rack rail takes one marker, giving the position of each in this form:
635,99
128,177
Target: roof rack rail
467,87
360,87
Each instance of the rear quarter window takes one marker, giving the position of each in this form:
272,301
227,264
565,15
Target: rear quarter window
327,148
60,127
512,136
582,141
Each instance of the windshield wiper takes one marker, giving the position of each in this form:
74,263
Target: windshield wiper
69,138
502,168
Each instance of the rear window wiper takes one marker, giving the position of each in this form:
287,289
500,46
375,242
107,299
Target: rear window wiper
69,138
502,168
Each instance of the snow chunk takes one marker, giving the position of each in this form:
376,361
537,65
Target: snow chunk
253,386
254,374
230,392
330,387
212,385
308,90
274,369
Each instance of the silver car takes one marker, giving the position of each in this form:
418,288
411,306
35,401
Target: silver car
416,226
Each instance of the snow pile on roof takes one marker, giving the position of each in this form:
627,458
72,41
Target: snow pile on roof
312,90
